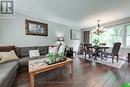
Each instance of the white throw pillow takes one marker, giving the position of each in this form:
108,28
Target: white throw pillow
34,53
3,53
8,56
53,49
61,49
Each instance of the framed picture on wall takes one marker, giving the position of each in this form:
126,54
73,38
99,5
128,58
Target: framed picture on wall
74,34
36,28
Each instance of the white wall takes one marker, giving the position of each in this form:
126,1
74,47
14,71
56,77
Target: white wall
12,32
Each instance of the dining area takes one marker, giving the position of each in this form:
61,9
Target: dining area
102,54
101,43
107,45
101,51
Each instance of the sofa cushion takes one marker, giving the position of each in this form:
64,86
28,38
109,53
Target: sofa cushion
24,51
6,48
6,72
42,49
17,50
61,49
53,49
24,61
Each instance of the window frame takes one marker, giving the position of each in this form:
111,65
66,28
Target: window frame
123,37
126,34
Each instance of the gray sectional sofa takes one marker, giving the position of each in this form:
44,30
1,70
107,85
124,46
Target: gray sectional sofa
8,70
23,53
8,73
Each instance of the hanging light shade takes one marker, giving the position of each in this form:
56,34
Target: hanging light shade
60,39
99,29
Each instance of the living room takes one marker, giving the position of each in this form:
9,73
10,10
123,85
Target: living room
63,43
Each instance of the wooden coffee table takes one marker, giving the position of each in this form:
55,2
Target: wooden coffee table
39,66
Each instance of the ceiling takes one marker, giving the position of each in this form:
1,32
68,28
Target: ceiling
80,13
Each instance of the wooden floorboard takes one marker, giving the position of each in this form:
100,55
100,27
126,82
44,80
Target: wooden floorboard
119,75
127,74
86,74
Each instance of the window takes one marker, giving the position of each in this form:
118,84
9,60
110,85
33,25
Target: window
119,33
114,35
128,35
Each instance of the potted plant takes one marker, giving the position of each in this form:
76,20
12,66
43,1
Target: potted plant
96,42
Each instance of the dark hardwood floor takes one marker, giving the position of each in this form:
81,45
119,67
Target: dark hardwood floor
85,74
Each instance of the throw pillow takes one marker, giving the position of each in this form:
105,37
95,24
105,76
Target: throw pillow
1,53
8,56
53,49
34,53
61,49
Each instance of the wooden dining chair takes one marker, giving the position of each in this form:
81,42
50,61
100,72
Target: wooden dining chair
113,53
81,49
88,50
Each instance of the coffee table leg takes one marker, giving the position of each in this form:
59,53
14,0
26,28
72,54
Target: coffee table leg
71,68
31,80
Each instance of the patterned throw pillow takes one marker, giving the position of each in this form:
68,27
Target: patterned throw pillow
53,49
1,56
8,56
34,53
61,49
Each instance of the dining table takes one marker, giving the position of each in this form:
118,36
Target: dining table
98,50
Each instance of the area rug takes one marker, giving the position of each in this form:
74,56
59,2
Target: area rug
107,62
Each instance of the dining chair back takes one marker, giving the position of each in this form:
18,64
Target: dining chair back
116,48
113,53
81,49
87,49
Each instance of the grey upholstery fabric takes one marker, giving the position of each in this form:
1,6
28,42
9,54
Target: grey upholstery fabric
12,79
24,61
24,51
17,51
42,49
7,72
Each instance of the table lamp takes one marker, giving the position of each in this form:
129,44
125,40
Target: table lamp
60,39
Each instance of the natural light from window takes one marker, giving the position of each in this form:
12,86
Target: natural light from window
128,35
119,33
